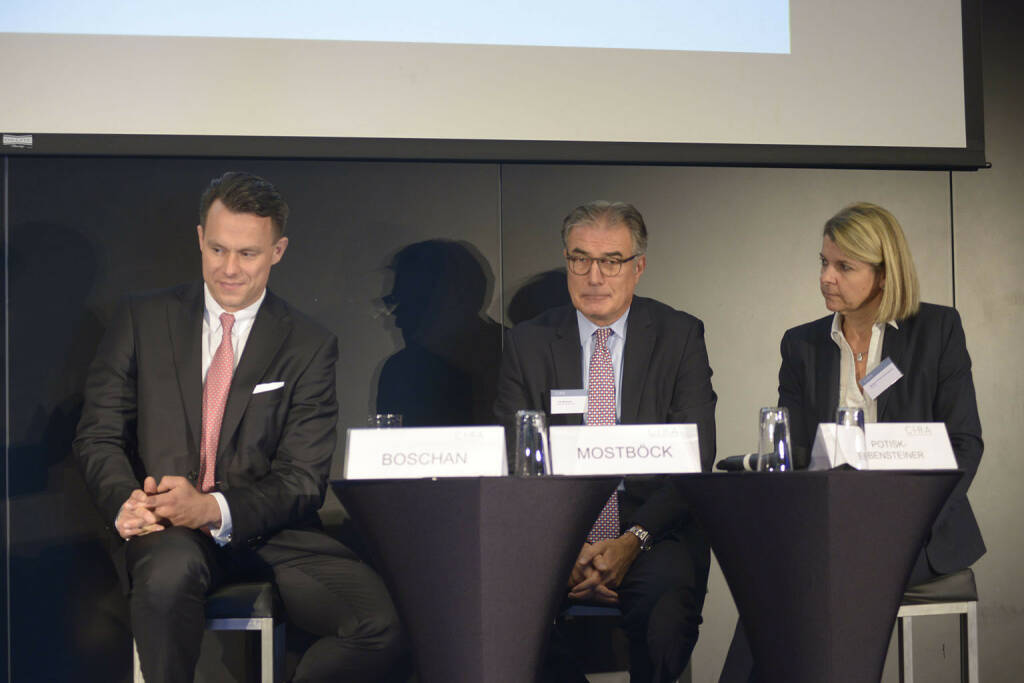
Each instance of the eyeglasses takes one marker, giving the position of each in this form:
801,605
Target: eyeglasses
609,267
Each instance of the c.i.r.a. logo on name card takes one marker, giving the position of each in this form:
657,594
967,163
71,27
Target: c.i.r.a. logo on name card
887,446
416,452
625,449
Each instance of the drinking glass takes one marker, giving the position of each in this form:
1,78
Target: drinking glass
851,442
381,420
532,456
773,452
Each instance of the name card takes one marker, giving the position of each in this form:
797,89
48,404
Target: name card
888,446
417,452
625,449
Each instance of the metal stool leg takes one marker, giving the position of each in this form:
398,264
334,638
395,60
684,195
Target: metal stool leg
906,650
267,661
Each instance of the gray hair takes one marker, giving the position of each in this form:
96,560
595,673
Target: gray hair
609,213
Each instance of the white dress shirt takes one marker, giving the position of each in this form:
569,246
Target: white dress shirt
213,332
850,394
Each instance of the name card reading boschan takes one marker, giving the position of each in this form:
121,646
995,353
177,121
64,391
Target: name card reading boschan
418,452
625,449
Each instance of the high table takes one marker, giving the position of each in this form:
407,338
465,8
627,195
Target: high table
817,561
477,566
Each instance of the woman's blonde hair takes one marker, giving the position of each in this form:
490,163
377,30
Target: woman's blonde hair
869,233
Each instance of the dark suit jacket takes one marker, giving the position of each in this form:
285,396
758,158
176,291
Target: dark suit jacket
931,351
665,378
143,413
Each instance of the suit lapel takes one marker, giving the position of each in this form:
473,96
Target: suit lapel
636,359
893,346
268,333
827,378
565,354
185,329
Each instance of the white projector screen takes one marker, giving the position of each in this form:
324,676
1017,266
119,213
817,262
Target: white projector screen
803,82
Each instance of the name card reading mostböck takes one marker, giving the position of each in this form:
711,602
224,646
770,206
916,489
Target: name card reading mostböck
416,452
889,446
625,449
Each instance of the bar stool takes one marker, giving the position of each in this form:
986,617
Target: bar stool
248,606
954,593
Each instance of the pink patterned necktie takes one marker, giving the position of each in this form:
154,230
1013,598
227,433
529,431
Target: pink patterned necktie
215,396
601,411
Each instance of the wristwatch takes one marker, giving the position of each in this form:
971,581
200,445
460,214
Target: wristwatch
643,534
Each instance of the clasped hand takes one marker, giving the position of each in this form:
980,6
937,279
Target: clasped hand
600,568
171,502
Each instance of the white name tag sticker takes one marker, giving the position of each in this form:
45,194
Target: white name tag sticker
568,401
888,446
417,452
625,449
881,378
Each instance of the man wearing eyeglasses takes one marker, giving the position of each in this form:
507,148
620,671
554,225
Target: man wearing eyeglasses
650,362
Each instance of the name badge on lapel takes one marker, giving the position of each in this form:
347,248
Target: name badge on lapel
568,401
881,378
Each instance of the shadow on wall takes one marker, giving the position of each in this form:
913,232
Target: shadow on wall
68,614
447,373
538,294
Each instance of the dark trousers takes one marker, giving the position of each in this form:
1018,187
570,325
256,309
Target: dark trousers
661,598
332,595
739,661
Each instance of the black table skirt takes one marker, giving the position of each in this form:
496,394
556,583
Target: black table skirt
817,561
477,566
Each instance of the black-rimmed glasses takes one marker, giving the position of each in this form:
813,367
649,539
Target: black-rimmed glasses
609,267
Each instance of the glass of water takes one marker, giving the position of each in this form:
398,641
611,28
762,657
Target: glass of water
532,457
381,420
774,453
851,441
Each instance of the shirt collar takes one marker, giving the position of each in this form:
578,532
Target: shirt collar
837,324
587,328
211,313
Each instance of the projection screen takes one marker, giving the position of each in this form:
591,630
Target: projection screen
782,82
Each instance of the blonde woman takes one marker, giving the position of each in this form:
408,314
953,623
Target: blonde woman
870,287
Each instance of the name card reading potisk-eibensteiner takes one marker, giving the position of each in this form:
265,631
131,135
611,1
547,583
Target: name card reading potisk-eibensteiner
417,452
625,449
886,446
908,446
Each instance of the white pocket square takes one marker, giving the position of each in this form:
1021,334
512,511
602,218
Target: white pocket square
268,386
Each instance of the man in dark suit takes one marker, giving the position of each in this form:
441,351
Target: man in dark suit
655,564
206,438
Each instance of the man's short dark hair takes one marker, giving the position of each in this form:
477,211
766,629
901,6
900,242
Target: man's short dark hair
246,193
608,213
